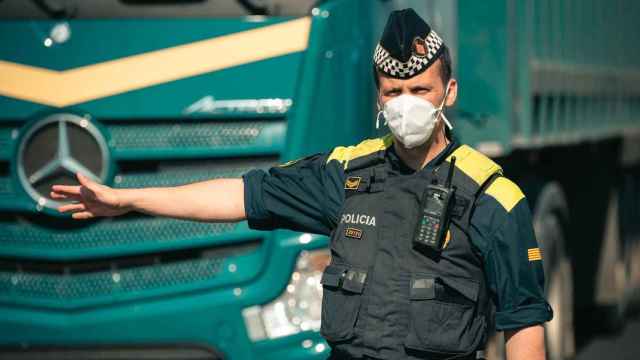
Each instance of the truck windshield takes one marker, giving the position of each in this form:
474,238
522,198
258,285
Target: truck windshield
118,9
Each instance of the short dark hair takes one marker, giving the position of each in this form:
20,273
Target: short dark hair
445,67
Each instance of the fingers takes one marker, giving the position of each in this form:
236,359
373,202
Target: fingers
72,207
66,190
85,181
79,211
82,215
74,189
60,196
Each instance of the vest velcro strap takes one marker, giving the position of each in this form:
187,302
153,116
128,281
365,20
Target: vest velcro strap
333,275
467,287
378,177
376,187
423,289
354,281
344,277
379,174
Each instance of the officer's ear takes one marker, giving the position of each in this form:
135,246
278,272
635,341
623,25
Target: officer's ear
379,99
376,78
452,95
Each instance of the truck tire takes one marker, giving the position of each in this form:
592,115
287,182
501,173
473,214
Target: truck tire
612,275
550,221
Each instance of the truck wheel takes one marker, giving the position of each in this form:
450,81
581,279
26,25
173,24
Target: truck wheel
612,278
550,221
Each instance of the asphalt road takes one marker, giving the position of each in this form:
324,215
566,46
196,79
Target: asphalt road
623,345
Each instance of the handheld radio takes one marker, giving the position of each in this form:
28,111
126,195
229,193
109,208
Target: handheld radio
433,218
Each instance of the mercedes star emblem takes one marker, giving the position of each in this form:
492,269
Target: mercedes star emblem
56,148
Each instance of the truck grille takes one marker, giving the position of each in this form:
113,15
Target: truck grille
176,255
179,135
95,278
41,233
170,173
21,232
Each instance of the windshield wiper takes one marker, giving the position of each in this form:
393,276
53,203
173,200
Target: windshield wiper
57,9
253,8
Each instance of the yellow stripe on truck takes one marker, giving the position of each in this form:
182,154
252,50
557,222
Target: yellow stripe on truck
91,82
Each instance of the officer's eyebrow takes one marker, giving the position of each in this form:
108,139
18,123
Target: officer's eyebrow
420,87
392,89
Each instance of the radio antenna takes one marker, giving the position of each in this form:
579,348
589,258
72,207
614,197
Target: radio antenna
452,165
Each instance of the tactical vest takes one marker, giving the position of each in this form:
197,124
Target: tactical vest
383,298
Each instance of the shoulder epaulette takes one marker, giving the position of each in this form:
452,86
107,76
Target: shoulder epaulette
474,164
344,154
506,192
480,168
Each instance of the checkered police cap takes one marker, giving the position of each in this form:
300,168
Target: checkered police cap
408,45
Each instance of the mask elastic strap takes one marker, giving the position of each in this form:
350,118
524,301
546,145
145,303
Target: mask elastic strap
446,122
378,116
441,109
378,119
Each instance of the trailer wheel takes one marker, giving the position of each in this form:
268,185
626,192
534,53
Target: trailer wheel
550,223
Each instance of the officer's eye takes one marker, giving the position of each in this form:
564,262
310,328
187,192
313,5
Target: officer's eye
392,92
421,90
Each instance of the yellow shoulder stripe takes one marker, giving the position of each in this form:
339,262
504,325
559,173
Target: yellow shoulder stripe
474,164
507,193
345,154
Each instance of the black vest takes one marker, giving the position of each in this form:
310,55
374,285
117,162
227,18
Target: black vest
385,299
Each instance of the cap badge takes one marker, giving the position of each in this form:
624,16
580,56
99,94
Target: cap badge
419,47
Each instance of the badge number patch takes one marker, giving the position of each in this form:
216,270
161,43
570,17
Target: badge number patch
352,183
353,233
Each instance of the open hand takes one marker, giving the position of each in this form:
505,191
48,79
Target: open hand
90,199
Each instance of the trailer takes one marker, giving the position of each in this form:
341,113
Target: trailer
550,90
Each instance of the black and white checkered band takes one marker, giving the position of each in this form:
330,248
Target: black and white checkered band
416,63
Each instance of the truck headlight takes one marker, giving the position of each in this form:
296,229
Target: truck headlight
298,308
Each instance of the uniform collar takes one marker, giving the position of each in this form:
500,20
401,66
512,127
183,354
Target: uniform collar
399,165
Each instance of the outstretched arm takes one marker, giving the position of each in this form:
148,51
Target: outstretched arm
213,200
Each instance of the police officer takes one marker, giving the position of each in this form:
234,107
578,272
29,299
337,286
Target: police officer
431,245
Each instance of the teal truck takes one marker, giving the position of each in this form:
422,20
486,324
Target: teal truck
138,93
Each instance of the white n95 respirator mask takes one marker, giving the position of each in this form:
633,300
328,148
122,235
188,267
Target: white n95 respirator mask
412,119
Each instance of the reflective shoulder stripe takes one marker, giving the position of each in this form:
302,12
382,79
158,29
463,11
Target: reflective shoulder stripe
345,154
506,192
474,164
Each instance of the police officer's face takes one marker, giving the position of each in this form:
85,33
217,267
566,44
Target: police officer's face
427,85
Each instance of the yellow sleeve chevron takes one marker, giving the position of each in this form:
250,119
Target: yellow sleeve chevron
534,254
474,164
507,193
345,154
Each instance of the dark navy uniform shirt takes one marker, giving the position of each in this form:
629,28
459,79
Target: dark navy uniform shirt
308,194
